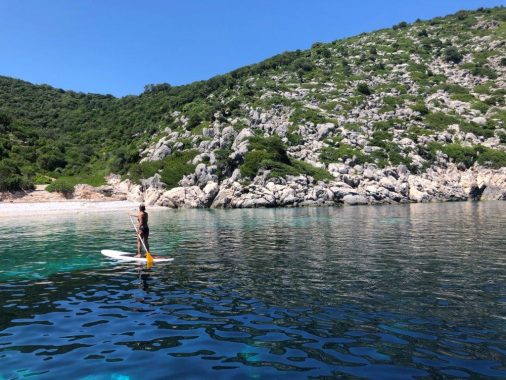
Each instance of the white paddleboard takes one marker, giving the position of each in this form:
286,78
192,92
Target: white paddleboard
126,256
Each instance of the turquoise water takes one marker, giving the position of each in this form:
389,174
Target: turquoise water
412,291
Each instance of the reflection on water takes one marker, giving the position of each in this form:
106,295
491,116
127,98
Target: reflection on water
415,291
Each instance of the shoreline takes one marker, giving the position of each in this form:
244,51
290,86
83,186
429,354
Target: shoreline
17,209
21,209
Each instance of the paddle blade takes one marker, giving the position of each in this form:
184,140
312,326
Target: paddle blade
149,259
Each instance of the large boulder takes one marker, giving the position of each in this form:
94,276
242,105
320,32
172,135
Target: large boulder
151,196
493,193
354,200
183,197
154,182
323,130
227,136
243,135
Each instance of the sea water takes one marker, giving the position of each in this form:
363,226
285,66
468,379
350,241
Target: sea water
406,291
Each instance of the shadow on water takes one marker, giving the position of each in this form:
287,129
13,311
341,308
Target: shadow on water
372,292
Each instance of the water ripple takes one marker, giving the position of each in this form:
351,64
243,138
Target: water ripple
415,291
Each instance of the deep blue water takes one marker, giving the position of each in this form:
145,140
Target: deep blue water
389,292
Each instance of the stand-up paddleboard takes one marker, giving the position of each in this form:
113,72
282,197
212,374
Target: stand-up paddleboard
126,256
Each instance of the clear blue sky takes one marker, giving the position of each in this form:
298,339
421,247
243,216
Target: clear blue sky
118,46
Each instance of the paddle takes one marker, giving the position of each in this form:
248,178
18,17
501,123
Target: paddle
149,258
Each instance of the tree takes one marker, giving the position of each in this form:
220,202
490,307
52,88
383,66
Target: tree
401,25
363,88
51,161
451,54
5,122
157,87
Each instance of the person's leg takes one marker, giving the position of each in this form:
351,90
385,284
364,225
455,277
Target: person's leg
138,247
146,242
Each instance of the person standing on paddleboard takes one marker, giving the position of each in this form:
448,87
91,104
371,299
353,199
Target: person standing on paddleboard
142,228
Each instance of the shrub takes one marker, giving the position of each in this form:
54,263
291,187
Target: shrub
438,121
61,185
353,127
485,131
307,114
483,71
67,181
492,157
41,179
393,100
343,152
483,88
253,161
451,54
176,166
11,178
401,25
503,61
379,138
270,153
294,138
383,125
454,88
462,15
502,137
463,97
480,106
363,88
421,108
264,152
51,161
144,170
318,174
460,154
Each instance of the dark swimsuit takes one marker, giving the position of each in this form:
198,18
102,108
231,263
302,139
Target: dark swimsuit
144,230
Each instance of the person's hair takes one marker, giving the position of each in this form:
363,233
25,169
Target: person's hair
142,208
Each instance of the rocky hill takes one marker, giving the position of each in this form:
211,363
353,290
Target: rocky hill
416,112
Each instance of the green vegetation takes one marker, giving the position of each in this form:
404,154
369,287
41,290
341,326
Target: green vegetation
269,153
306,114
421,108
66,185
478,130
468,156
48,133
343,152
364,89
439,121
483,71
451,54
11,177
177,166
61,186
401,25
171,169
493,158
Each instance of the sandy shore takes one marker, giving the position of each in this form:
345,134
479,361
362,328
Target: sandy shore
21,209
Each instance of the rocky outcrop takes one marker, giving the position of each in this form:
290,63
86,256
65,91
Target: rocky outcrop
354,186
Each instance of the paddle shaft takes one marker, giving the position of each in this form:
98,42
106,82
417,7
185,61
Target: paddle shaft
138,235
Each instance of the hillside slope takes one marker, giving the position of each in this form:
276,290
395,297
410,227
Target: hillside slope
412,113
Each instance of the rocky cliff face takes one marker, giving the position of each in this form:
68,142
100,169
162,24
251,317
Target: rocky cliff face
357,186
411,114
